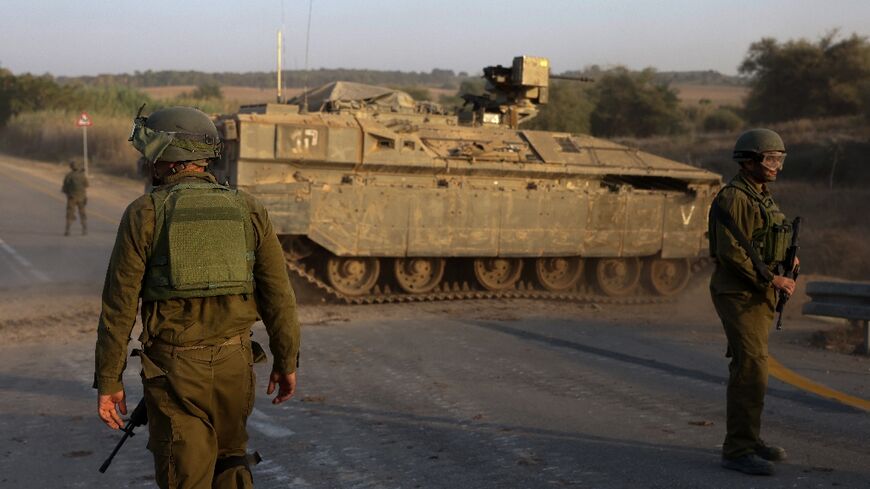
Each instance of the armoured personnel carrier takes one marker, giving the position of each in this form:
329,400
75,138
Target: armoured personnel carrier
376,197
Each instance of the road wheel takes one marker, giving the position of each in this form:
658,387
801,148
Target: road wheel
558,273
352,275
616,277
419,275
498,273
665,276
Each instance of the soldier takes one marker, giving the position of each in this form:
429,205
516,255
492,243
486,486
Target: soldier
75,185
207,264
748,238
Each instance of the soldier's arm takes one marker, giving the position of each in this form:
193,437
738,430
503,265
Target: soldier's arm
276,301
121,296
728,250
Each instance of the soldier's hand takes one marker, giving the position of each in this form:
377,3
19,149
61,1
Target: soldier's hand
783,284
108,406
797,263
286,386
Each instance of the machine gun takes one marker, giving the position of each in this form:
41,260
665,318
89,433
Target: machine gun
790,269
138,418
513,93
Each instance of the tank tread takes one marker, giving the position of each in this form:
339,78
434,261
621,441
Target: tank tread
463,291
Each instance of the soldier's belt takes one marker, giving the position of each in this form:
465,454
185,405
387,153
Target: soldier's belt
167,348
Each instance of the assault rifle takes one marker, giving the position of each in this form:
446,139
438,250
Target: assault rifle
790,269
137,419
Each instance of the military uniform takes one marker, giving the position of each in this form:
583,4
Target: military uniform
745,301
75,185
205,275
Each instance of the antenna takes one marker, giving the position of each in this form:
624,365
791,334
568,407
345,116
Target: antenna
281,56
307,39
279,68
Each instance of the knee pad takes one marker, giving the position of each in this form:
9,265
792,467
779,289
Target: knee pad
225,463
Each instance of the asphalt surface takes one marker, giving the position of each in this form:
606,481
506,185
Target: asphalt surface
516,394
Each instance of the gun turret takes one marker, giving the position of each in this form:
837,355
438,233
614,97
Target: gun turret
513,93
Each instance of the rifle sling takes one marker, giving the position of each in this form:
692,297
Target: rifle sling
758,264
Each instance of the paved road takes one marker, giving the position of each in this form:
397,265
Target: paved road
33,250
436,396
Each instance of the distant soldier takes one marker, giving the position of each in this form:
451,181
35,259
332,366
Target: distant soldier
75,185
207,264
748,238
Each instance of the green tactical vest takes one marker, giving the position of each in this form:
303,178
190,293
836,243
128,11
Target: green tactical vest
773,238
203,243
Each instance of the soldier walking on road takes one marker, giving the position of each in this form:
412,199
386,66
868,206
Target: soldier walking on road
207,264
748,238
75,185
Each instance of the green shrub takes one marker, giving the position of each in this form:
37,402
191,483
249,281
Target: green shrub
722,119
207,90
634,104
567,110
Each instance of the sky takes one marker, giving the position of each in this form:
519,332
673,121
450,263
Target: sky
90,37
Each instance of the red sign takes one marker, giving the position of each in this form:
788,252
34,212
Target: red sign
84,120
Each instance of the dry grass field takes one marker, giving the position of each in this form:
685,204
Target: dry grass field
241,95
718,95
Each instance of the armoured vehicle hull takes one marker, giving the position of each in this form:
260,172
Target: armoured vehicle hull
377,197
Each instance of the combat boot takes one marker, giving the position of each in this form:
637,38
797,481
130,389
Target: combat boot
770,452
749,464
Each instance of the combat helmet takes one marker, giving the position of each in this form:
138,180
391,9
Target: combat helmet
176,134
752,143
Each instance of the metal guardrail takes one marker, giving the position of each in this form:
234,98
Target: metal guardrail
848,300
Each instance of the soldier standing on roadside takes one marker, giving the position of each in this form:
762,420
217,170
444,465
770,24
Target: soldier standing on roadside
207,264
75,185
748,238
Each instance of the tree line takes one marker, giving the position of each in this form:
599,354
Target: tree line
291,78
436,78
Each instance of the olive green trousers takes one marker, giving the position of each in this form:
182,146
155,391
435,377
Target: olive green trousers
198,404
746,317
73,203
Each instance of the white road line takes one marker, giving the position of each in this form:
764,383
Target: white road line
7,261
263,423
24,262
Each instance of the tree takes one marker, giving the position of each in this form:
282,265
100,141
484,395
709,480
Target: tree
7,95
801,79
207,90
567,110
634,104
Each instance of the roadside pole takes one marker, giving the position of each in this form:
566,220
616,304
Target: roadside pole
83,122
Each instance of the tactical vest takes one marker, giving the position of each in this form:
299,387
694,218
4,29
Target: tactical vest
773,238
203,243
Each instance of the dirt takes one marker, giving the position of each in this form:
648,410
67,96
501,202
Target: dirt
52,313
848,338
65,313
